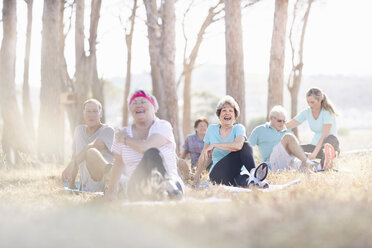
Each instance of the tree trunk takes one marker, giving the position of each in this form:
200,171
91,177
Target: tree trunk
168,55
235,85
14,138
154,36
51,138
162,56
97,84
28,114
299,22
65,77
186,123
82,84
277,56
128,40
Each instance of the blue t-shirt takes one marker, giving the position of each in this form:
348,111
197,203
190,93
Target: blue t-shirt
213,136
325,117
266,137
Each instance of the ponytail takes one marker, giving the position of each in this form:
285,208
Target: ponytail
325,102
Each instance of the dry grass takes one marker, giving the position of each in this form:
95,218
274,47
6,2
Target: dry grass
329,209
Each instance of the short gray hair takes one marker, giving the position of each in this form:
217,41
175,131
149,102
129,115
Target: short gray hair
95,101
278,109
228,100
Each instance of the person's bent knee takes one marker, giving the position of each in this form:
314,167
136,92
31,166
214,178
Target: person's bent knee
288,137
92,153
246,146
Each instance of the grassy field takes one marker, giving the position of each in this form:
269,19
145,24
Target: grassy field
328,209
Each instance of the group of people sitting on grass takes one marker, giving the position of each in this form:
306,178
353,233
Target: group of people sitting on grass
140,160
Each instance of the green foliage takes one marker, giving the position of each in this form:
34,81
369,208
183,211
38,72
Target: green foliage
254,122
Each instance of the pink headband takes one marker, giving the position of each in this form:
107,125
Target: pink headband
142,94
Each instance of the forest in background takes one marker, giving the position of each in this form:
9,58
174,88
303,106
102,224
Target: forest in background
184,90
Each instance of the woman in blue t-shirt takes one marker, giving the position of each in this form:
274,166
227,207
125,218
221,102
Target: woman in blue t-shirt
227,144
321,118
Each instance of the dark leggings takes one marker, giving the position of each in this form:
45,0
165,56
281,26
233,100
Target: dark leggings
331,139
227,170
151,160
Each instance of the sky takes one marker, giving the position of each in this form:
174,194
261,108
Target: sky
338,38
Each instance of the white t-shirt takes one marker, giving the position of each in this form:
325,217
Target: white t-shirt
132,158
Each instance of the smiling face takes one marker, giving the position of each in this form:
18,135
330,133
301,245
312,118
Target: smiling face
277,121
227,115
141,109
92,114
314,102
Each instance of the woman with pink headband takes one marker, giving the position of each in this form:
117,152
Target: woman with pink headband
145,160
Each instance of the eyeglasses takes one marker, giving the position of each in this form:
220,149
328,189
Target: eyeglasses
139,102
278,120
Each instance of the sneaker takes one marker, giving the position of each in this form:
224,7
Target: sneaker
258,175
329,155
173,189
261,171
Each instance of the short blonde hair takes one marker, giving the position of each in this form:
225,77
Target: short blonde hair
227,100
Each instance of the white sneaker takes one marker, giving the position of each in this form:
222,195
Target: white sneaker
258,175
173,188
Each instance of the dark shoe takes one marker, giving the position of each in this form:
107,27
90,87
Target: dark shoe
261,172
257,176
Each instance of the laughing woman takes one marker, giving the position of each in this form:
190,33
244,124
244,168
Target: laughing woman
227,144
145,157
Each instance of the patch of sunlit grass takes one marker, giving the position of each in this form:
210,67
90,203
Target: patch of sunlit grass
326,209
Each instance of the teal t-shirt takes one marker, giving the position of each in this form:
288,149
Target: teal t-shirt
213,136
325,117
266,137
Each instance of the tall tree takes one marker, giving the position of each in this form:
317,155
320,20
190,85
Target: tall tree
50,132
82,83
86,65
67,81
297,37
27,106
128,40
235,85
14,138
189,62
97,84
277,56
161,34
